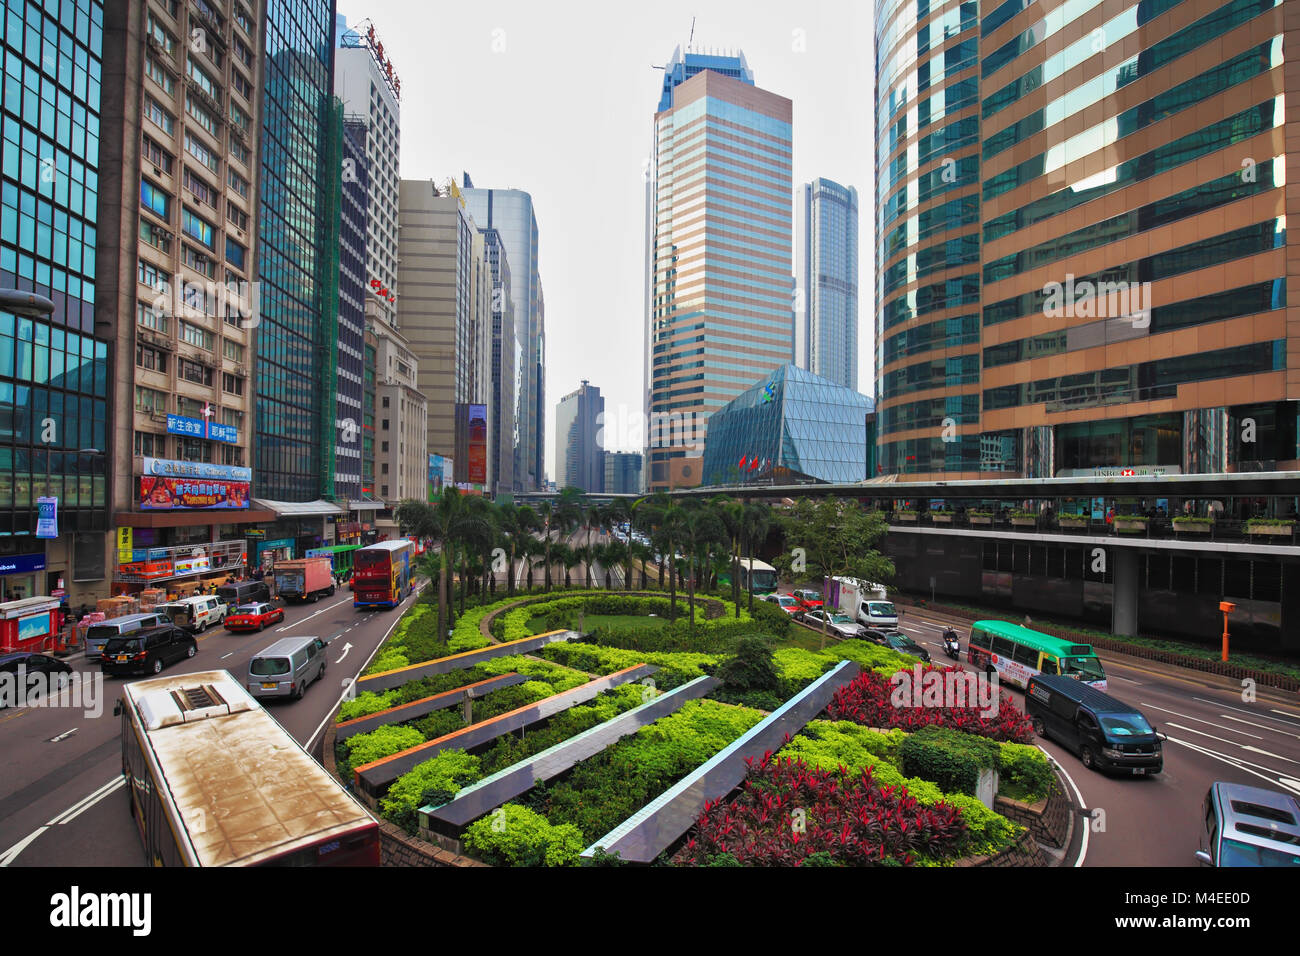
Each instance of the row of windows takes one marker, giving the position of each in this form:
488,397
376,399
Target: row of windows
914,455
944,66
961,251
940,373
930,413
49,418
1212,138
964,290
1189,202
1239,243
943,334
947,176
952,215
1142,382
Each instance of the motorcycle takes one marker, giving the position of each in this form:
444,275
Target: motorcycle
950,645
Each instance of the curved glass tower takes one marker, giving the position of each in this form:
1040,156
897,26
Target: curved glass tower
1081,246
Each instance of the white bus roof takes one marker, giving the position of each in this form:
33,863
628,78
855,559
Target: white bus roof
387,545
754,564
244,788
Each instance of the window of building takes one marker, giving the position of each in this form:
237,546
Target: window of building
232,350
149,445
196,335
233,417
232,455
154,235
241,84
195,148
201,115
235,254
384,447
239,117
237,182
201,190
198,261
193,449
232,383
196,227
155,199
189,407
201,78
150,358
154,70
154,112
242,51
164,39
194,372
383,468
146,316
236,215
150,400
240,152
155,154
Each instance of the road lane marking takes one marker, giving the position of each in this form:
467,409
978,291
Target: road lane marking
11,854
1268,754
85,803
224,656
1211,736
346,648
1199,720
65,734
1083,847
1130,680
1287,712
1237,762
20,713
1238,720
328,607
1252,713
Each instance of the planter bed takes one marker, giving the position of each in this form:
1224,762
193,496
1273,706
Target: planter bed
426,705
387,680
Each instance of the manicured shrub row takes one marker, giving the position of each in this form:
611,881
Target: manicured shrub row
788,811
675,668
950,758
517,836
1024,773
602,792
797,667
379,743
867,700
416,638
429,782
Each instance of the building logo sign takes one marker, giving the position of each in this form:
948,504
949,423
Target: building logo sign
22,563
166,468
191,485
192,427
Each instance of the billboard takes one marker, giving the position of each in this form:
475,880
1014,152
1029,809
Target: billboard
180,425
190,485
478,435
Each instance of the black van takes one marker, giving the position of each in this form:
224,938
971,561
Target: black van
245,592
1106,733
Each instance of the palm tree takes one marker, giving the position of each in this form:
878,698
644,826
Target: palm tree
476,533
642,554
442,522
700,525
517,522
592,516
756,520
612,554
530,549
570,558
732,512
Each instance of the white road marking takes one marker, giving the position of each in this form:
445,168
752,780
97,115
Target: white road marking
1211,736
1200,720
66,733
1268,754
328,607
1083,847
1237,762
224,656
1238,720
1252,713
85,803
346,648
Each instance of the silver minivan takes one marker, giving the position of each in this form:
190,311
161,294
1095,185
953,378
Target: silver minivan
286,667
97,635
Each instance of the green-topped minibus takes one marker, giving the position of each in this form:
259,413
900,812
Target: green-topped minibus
1018,653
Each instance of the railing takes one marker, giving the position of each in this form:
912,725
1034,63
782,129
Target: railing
1285,531
151,565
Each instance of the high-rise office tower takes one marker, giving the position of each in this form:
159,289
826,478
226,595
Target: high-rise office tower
298,267
720,252
503,426
826,281
622,472
1081,238
55,378
579,455
178,249
353,292
510,213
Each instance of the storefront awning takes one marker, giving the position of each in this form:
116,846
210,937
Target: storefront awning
187,519
299,509
366,505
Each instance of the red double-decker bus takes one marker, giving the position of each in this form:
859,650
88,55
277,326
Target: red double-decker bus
382,574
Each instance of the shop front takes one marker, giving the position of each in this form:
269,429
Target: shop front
21,576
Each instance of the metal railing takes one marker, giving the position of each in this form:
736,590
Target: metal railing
1158,526
153,565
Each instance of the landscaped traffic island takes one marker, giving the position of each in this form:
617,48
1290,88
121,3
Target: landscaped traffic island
596,742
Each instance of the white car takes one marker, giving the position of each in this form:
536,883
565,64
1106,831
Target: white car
841,624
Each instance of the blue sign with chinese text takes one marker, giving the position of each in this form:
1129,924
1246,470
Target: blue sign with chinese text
180,425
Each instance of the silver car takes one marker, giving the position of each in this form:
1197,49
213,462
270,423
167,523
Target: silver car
841,624
286,667
1249,826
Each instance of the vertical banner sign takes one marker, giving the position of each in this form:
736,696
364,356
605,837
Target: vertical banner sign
125,545
47,517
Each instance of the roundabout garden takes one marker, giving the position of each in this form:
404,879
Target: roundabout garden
601,728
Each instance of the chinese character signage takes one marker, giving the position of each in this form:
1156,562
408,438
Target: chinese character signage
47,517
192,427
125,545
188,485
478,431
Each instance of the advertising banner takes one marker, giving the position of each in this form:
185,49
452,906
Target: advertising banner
47,517
190,485
180,425
126,545
478,432
38,625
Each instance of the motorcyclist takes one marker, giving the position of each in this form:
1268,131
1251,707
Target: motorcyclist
950,637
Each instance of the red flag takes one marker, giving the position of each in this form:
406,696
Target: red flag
753,465
742,462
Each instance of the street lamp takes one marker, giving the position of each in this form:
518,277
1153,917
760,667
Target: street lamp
27,304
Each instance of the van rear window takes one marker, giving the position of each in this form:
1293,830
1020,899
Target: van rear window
268,666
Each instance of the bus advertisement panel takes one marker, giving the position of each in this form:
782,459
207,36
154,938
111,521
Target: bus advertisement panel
382,573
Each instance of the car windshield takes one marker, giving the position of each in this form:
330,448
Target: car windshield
1237,853
900,640
810,595
248,609
120,645
881,609
785,601
1125,725
268,666
1087,668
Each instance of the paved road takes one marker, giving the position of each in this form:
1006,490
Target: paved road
61,797
1213,735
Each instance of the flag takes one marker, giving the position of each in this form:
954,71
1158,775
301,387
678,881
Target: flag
753,465
742,462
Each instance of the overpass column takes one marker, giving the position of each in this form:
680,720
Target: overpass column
1124,592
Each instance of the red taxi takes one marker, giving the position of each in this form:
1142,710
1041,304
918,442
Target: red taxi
253,617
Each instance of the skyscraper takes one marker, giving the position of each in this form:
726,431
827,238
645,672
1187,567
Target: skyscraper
353,292
503,426
510,213
298,263
826,281
579,456
1082,238
720,252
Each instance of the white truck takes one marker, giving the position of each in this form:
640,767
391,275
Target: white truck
863,601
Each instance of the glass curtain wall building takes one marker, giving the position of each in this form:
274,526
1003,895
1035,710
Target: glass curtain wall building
54,369
792,425
826,281
298,245
720,252
1082,251
352,314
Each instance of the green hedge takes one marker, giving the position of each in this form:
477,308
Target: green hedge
798,667
1024,773
516,836
383,742
950,758
435,781
675,668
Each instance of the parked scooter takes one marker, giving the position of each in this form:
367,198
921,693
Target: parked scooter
950,645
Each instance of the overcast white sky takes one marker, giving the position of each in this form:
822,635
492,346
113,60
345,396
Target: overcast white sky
558,98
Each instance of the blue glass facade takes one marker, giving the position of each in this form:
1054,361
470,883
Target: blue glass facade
796,425
352,313
54,381
297,251
826,277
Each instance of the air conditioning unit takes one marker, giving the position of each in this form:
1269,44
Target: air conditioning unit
158,416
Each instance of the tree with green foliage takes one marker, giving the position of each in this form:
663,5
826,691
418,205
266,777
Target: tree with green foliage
755,521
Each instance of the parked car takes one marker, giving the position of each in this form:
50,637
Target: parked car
841,624
253,617
786,603
287,667
1106,733
808,599
1249,826
147,652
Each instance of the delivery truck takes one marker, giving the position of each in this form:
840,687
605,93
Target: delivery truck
304,579
863,601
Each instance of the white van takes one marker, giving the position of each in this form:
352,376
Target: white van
97,635
195,613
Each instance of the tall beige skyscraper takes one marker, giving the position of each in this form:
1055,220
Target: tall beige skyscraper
719,253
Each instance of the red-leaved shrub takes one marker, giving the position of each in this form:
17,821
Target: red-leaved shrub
787,811
866,700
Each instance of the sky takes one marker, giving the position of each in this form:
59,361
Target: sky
558,99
